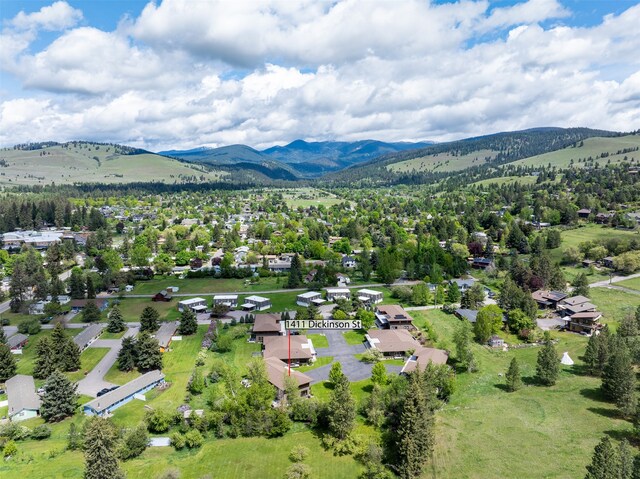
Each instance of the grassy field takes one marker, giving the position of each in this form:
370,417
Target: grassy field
508,180
319,340
89,358
486,432
589,232
592,147
132,308
630,283
319,362
69,165
442,162
27,358
354,337
613,303
306,197
206,285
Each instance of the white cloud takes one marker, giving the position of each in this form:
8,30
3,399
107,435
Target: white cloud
187,73
57,16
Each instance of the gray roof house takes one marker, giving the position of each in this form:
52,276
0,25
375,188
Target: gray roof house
165,333
23,401
103,405
88,335
17,341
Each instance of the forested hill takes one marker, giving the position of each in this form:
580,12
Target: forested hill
434,162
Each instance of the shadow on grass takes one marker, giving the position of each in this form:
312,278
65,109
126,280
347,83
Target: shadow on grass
531,381
602,411
594,394
501,386
367,388
578,370
623,434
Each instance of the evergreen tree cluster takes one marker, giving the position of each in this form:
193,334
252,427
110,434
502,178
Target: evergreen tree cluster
56,352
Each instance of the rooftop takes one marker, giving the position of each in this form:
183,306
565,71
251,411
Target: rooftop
104,402
21,394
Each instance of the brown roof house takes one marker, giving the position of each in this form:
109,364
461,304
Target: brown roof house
163,295
422,357
278,370
392,342
393,316
267,325
302,350
585,322
575,304
548,299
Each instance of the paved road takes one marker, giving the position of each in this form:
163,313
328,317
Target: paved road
615,279
94,380
343,353
622,288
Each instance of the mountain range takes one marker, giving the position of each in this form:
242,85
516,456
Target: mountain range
299,158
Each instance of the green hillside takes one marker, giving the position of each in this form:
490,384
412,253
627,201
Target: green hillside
447,161
94,163
594,148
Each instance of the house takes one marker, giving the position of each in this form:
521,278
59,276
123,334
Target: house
134,389
468,314
37,308
230,300
88,335
195,263
267,325
548,299
584,213
78,305
311,275
608,262
279,265
128,288
309,298
422,357
392,316
165,333
348,262
22,399
604,218
197,305
256,303
369,296
296,347
482,263
37,239
495,342
338,293
278,370
575,304
584,322
586,263
463,284
17,342
343,279
392,342
163,296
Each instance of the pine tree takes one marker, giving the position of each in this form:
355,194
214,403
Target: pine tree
581,285
625,458
604,463
127,356
44,364
3,336
116,322
74,438
91,288
414,434
188,322
379,374
619,379
514,381
71,359
335,374
90,313
636,467
597,353
149,319
149,356
76,284
59,400
462,341
100,442
295,273
341,409
7,363
548,367
453,293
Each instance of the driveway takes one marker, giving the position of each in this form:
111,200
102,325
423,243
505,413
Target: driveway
94,381
343,353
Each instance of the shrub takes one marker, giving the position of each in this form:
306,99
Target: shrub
224,343
134,443
29,326
41,432
10,449
299,453
193,439
372,355
298,471
177,440
170,474
160,420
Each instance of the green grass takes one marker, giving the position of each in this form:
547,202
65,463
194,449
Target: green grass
319,362
630,283
306,197
319,340
613,303
592,147
486,432
570,273
27,358
69,165
442,162
107,335
206,285
589,232
132,308
508,180
354,337
115,376
89,358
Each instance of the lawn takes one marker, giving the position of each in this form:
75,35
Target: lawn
354,337
89,358
589,232
319,362
481,432
630,283
319,340
613,303
132,308
206,285
107,335
570,273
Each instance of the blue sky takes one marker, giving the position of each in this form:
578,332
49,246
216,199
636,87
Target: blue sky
184,73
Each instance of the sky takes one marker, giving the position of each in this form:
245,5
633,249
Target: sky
178,74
